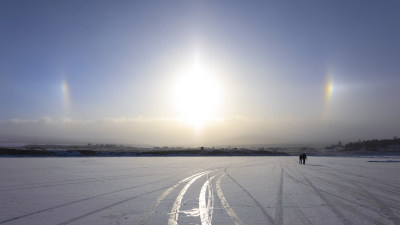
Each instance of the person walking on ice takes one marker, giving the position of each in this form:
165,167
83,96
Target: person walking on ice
304,157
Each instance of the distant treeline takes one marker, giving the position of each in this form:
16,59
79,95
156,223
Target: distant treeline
188,152
374,145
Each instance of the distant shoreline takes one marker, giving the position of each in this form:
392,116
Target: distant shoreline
10,152
78,151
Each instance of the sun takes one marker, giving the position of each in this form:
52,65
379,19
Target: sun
197,96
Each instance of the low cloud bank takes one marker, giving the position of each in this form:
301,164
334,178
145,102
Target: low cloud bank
177,132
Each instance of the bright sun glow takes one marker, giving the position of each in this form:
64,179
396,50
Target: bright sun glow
197,95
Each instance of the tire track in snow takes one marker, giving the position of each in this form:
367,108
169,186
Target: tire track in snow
77,201
58,183
382,202
338,200
297,210
375,180
395,219
206,209
109,206
145,217
366,196
329,201
300,214
331,206
279,207
382,205
258,204
174,215
378,185
225,203
70,182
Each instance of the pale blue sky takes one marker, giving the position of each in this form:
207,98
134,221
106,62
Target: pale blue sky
273,60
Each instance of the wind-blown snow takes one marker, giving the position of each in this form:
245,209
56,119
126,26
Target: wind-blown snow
199,190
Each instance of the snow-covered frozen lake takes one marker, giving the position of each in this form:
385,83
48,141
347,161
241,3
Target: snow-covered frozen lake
199,190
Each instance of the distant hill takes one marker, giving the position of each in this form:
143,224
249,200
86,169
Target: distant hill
375,146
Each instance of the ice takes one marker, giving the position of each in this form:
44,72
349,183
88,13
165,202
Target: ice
200,190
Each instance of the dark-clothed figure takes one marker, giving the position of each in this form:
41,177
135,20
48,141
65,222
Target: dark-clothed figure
304,157
300,158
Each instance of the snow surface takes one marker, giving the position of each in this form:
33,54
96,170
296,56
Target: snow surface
199,190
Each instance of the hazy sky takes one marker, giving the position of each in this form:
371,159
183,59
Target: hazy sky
199,72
